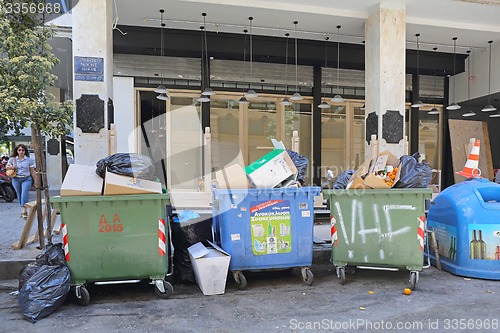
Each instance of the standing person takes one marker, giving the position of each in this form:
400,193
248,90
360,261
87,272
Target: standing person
25,166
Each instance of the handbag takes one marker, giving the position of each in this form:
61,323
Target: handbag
12,172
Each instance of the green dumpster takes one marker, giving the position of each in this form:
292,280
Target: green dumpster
118,238
378,229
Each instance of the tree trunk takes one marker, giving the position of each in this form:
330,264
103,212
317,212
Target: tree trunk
35,140
46,195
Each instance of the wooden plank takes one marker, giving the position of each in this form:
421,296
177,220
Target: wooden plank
461,131
31,206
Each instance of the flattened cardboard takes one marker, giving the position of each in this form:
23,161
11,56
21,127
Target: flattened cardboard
232,177
81,180
116,185
374,181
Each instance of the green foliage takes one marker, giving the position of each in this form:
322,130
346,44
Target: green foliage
26,63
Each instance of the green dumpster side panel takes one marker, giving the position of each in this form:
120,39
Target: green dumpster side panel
378,228
113,237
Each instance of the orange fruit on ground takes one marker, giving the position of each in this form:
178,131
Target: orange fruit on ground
407,291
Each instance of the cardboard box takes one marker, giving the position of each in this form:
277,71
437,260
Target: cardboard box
210,267
275,169
233,176
116,184
81,180
365,176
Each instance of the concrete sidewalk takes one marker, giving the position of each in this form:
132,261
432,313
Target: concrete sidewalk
12,261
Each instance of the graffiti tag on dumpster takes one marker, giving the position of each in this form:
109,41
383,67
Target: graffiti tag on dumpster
368,223
114,226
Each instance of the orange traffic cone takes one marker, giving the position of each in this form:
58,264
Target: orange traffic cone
471,168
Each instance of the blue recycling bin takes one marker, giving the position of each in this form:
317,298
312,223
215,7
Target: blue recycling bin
265,229
466,220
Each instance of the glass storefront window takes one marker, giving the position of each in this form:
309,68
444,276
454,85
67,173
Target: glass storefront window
262,127
298,117
224,123
333,139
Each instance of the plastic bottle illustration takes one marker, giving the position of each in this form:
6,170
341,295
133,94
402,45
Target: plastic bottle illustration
474,247
269,229
482,246
497,253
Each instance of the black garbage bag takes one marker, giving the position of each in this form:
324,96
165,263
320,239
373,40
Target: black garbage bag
343,179
184,234
44,292
412,173
52,254
127,164
301,163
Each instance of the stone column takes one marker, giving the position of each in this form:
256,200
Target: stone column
385,64
92,78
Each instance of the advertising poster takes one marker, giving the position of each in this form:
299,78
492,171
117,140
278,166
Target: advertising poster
484,241
446,237
270,227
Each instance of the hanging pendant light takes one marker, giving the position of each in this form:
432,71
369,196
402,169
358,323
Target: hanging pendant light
243,99
434,110
296,96
285,101
338,98
208,91
161,89
251,93
469,113
454,106
489,107
418,103
324,104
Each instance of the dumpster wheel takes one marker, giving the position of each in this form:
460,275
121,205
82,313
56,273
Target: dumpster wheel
168,290
341,275
82,295
241,281
413,280
307,276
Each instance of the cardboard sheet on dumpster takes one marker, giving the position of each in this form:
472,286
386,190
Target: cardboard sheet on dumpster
116,184
81,180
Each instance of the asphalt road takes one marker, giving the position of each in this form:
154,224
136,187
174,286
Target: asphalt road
278,301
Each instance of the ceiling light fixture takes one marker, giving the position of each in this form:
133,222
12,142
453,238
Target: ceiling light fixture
434,110
469,113
338,98
285,101
243,99
161,89
203,98
454,106
208,91
324,104
489,107
296,96
251,93
418,103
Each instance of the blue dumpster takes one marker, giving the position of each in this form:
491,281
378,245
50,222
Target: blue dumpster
265,228
466,220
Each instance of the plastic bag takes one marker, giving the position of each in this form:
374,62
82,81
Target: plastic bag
127,164
343,179
44,292
301,163
412,173
185,234
52,254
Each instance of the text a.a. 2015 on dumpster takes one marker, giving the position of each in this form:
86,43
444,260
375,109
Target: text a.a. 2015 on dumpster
114,226
362,223
270,227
